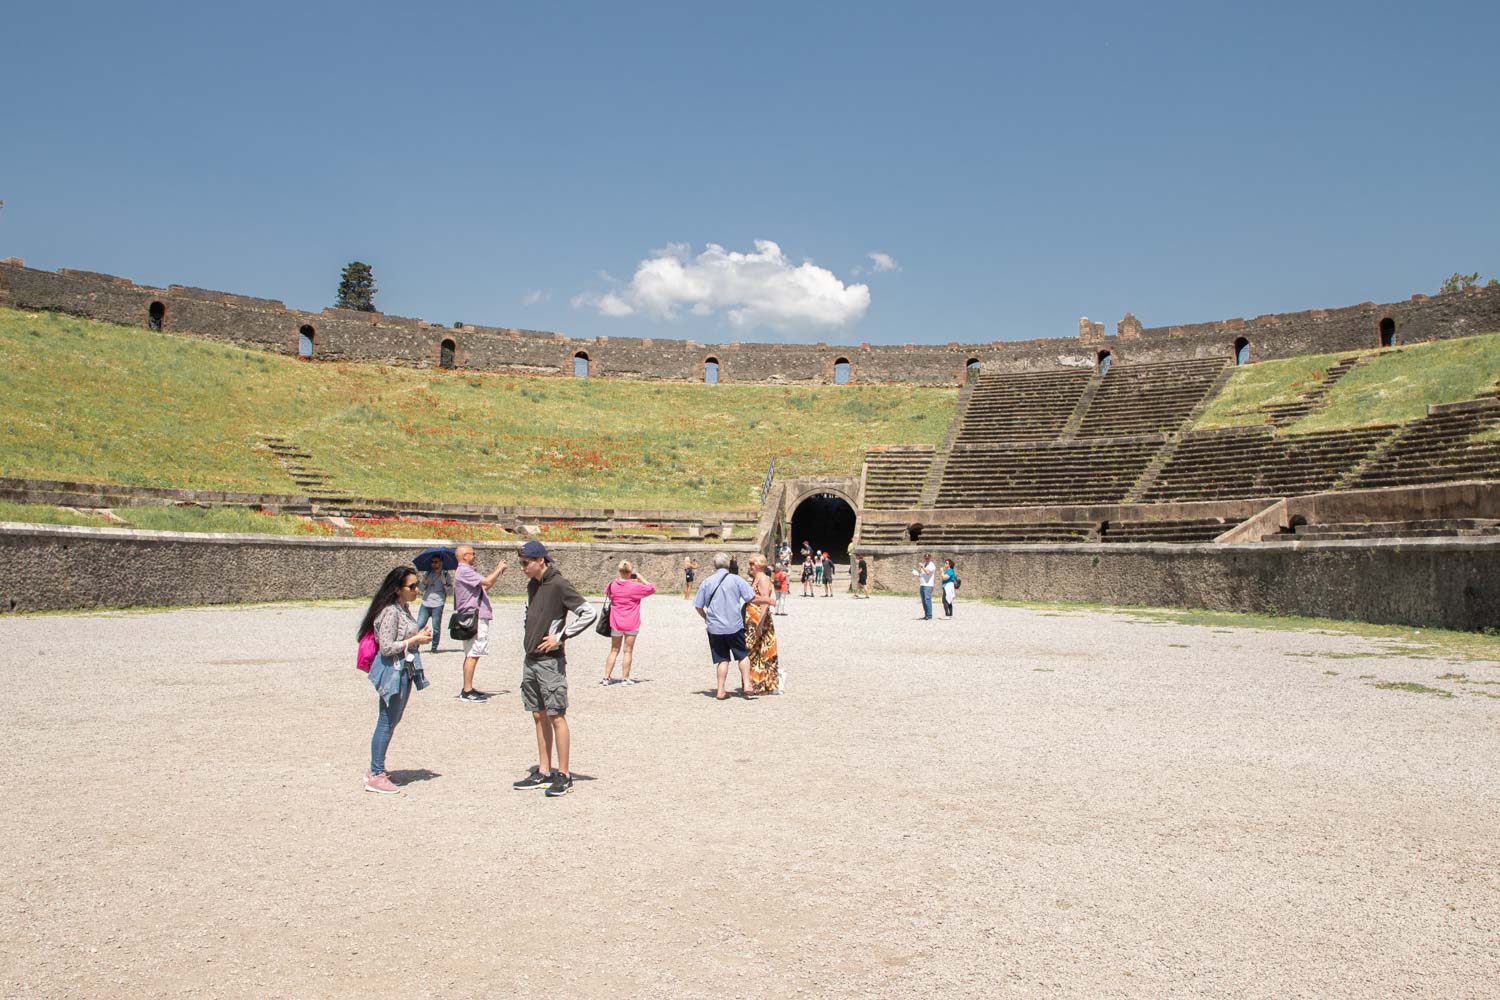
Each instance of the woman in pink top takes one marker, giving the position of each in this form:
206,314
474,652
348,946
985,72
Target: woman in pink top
625,594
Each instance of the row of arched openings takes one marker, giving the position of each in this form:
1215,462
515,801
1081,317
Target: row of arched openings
842,369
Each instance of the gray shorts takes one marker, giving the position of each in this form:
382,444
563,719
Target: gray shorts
544,684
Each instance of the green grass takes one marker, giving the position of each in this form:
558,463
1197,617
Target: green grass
98,402
219,520
37,513
1390,387
1403,640
1412,687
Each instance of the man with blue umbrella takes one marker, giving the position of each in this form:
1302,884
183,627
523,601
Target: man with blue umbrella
436,564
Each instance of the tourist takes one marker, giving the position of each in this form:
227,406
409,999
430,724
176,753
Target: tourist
784,554
397,667
471,593
950,586
925,572
864,578
689,571
760,631
807,576
435,587
783,585
544,665
806,549
734,565
718,602
827,575
625,594
817,561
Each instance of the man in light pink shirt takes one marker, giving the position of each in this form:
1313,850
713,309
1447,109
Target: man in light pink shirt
625,594
470,592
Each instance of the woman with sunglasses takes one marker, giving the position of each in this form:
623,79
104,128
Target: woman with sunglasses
398,667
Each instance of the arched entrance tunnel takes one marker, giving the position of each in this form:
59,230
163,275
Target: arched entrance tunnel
827,522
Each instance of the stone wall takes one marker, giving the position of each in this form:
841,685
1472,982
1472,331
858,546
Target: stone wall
1447,583
342,335
1426,582
59,568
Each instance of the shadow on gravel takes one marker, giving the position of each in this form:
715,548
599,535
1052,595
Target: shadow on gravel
413,776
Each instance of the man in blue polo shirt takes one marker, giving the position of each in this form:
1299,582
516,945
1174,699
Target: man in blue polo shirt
720,602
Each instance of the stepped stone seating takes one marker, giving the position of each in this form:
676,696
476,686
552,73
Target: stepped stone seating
1221,465
1431,528
1024,476
894,477
1030,407
1145,399
1009,534
1202,529
1440,448
1284,414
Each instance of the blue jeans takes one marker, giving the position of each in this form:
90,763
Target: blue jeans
436,614
926,601
390,717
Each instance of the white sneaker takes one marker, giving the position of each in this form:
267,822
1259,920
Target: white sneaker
627,681
605,682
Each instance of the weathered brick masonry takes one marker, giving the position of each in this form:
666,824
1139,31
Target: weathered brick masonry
342,335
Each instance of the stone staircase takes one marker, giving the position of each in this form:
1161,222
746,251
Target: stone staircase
1151,398
894,476
1313,398
1440,447
310,479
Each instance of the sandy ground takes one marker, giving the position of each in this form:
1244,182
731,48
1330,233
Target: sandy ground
1016,803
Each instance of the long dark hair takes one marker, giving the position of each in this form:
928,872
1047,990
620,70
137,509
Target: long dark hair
390,590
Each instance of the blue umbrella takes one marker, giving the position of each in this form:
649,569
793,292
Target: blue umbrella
424,561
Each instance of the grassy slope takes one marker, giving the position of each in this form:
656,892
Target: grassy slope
94,401
1390,387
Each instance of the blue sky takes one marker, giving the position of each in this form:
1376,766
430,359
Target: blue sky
569,166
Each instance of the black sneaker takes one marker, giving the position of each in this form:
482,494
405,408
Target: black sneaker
473,694
562,784
534,779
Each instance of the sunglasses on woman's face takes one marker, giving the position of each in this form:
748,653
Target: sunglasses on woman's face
409,586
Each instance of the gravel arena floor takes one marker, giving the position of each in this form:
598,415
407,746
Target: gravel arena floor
1019,802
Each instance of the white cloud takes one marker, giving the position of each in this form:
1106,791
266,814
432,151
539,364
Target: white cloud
883,261
761,288
536,295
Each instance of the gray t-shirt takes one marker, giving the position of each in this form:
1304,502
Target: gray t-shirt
434,589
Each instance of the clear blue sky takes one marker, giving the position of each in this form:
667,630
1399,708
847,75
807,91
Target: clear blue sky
514,165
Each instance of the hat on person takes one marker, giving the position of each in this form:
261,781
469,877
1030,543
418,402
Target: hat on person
535,550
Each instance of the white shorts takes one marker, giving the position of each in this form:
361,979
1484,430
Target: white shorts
480,644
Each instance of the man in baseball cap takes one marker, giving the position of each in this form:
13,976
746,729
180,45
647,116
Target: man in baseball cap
544,666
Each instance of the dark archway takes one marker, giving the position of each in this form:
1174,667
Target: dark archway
156,315
1387,332
445,354
971,370
1241,351
1102,361
581,365
306,339
711,371
841,371
827,521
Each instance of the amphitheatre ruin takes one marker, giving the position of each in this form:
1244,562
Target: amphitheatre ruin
1134,469
1215,714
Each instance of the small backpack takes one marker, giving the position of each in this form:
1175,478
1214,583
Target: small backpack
368,647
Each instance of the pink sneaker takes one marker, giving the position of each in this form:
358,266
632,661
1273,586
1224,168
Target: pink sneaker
380,783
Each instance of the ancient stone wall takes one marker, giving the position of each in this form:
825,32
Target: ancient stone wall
343,335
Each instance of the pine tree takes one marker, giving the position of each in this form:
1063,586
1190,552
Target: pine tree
357,287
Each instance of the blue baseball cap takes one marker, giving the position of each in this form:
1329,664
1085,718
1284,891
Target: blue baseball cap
535,550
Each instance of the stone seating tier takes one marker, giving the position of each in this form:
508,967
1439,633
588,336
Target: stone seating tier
1043,474
1031,407
1149,398
1217,465
1202,529
1430,528
894,477
1439,448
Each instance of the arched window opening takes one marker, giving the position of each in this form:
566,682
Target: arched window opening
581,365
1103,361
711,371
1387,332
971,370
155,315
445,354
841,371
305,337
1241,351
914,531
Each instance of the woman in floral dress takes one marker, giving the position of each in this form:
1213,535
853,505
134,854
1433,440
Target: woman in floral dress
760,631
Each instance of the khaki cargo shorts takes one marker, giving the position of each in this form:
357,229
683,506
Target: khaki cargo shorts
544,684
